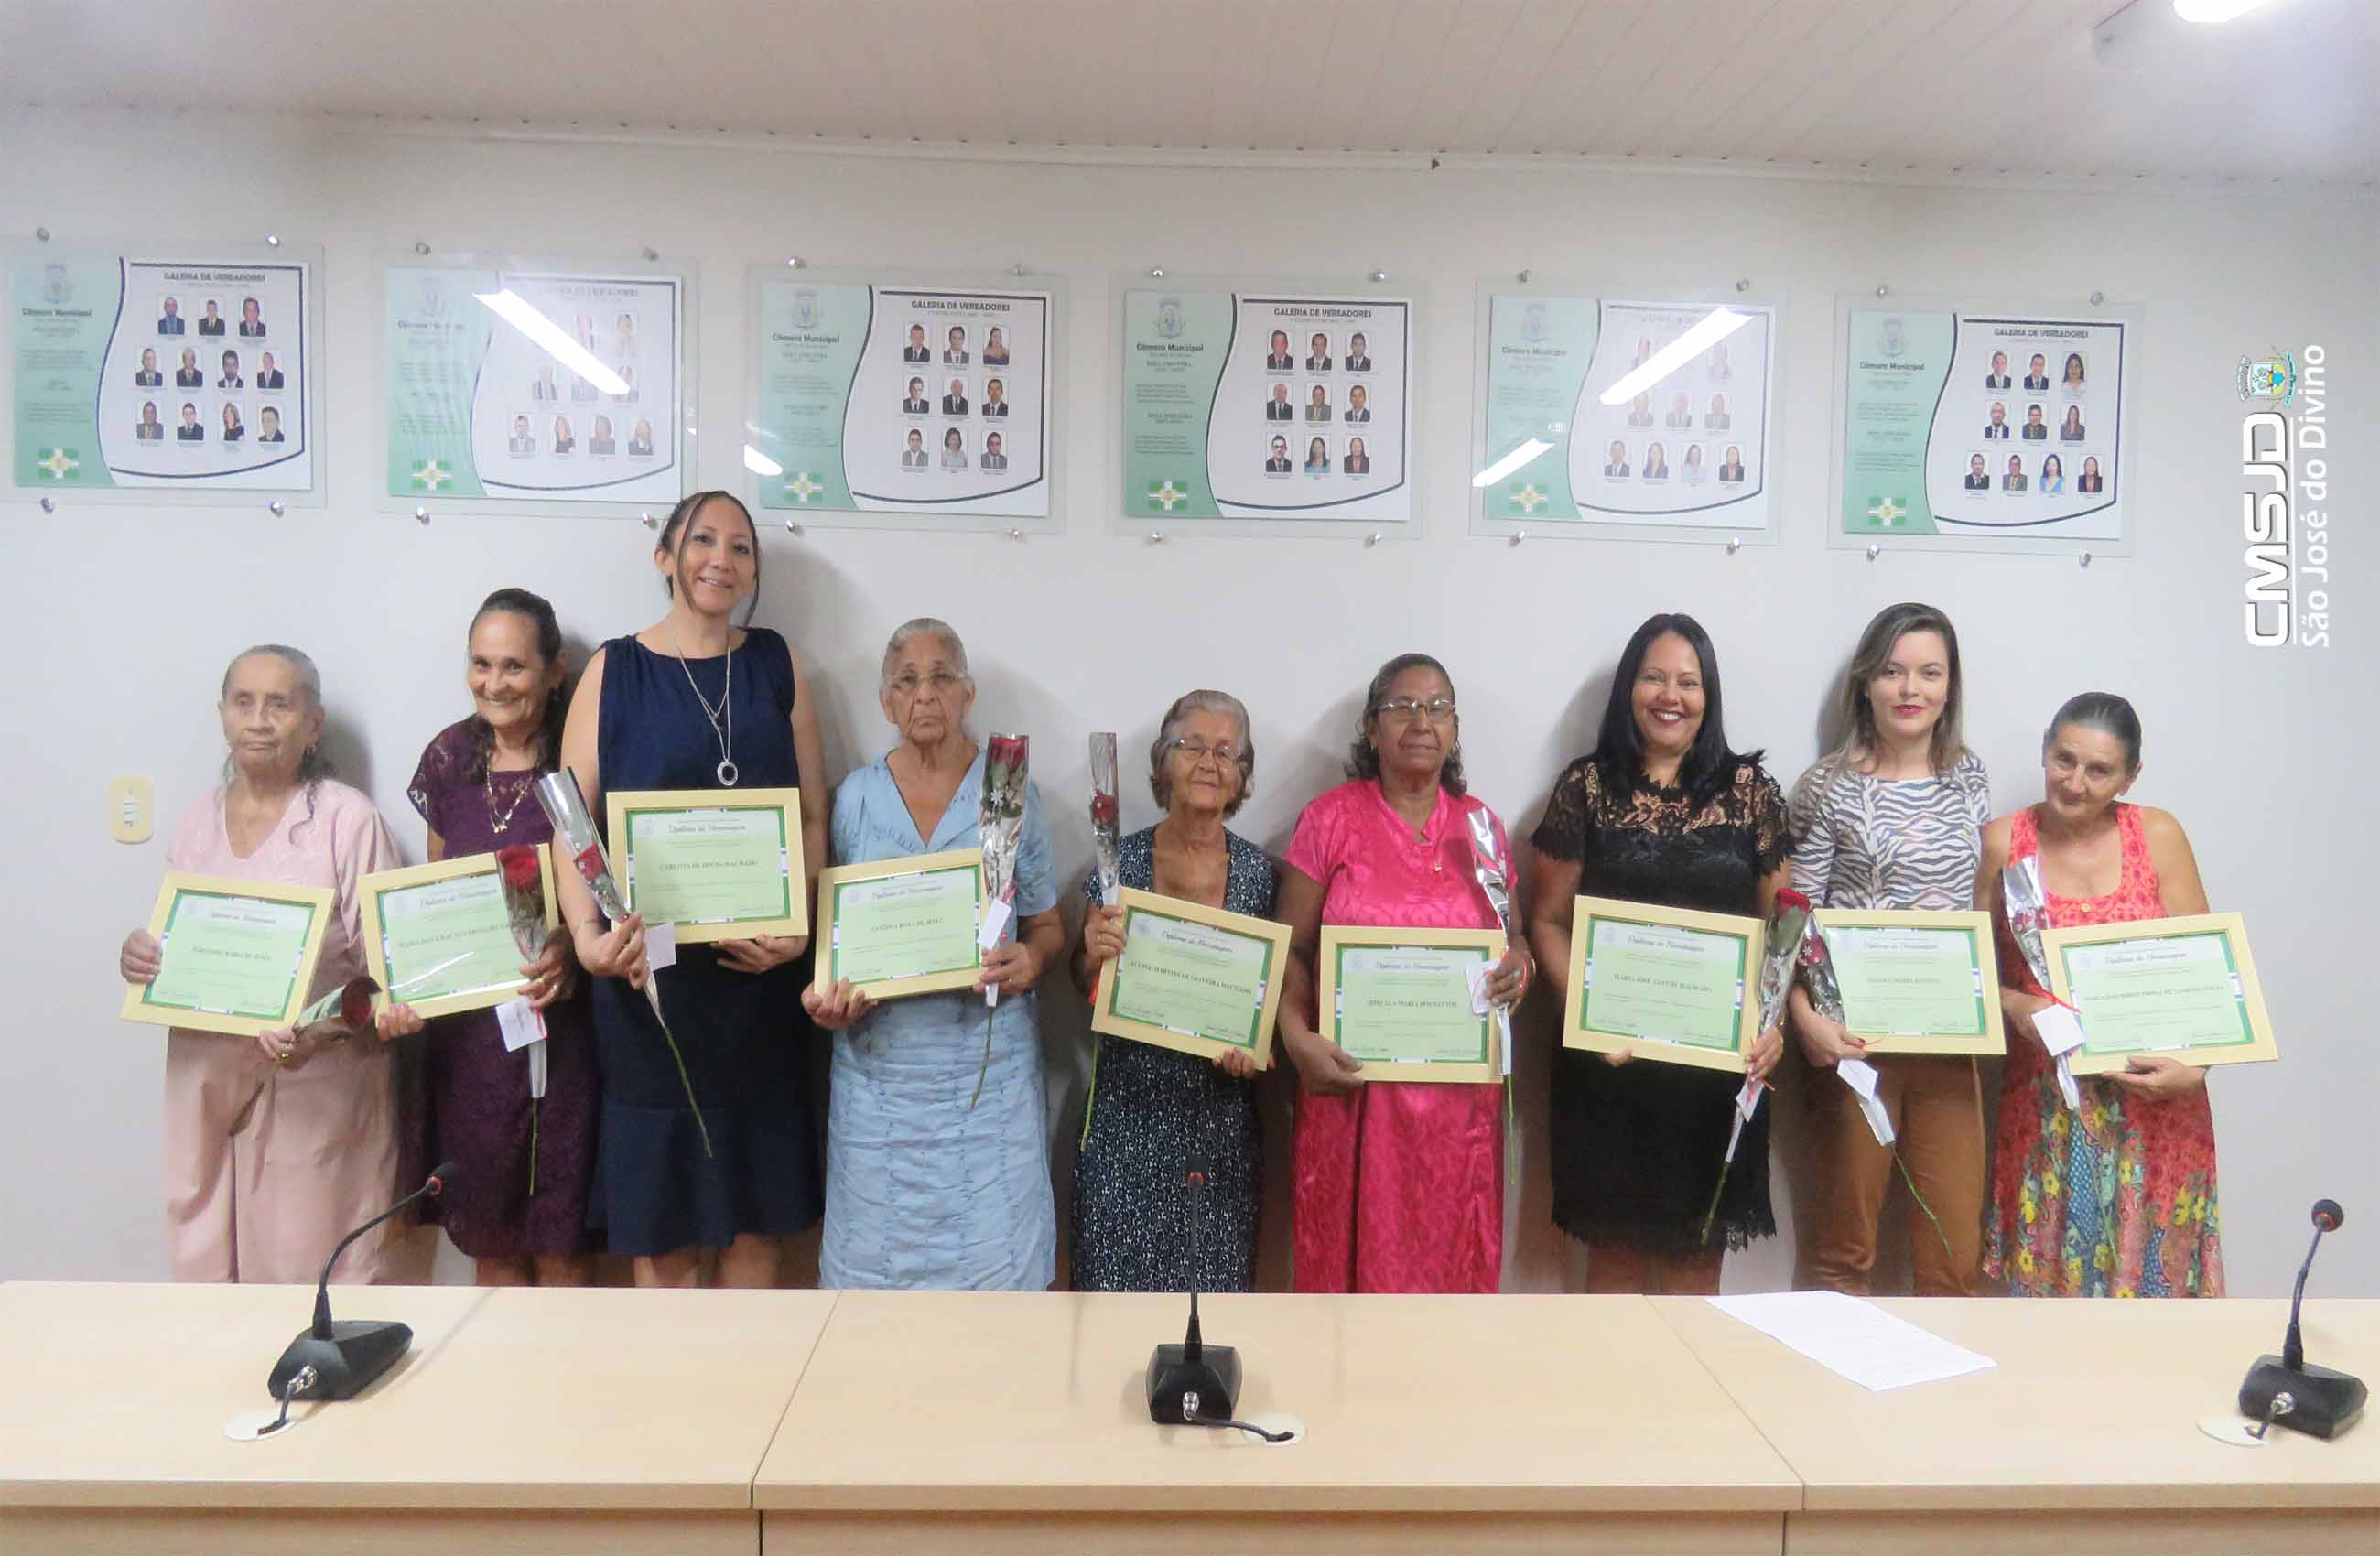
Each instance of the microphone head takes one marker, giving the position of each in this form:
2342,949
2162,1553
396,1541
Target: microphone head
2327,1215
442,1178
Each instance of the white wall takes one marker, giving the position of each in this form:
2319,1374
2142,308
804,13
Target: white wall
127,613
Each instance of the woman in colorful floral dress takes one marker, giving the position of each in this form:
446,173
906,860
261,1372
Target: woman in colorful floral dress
2119,1200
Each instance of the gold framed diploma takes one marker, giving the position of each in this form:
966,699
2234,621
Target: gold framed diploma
1398,1001
1192,979
1664,983
2182,988
239,955
1916,982
438,937
906,926
720,864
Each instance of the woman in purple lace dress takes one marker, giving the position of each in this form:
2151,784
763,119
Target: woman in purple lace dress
519,1203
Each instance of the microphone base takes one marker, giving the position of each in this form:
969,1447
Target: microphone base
2323,1403
357,1352
1180,1389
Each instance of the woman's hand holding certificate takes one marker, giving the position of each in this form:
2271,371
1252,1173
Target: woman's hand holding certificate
896,927
1183,976
1409,1005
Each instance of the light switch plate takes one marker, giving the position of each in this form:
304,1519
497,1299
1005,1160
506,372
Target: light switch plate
130,803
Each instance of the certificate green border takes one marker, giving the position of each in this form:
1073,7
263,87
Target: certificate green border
1338,983
380,884
1750,936
1256,1013
1989,1036
148,996
623,806
1743,983
833,917
2247,1035
2248,990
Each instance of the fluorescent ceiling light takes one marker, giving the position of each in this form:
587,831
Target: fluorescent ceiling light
1708,332
1510,463
761,464
551,339
2211,12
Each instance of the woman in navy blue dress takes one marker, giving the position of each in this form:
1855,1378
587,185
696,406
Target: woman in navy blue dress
696,702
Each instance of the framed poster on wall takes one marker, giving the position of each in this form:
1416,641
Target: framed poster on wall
527,385
1261,406
890,401
1645,415
148,370
1970,425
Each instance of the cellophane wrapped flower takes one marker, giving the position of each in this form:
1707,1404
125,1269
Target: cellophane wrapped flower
336,1017
1106,818
1789,926
1000,823
574,830
523,883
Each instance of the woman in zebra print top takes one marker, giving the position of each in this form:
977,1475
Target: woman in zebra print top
1892,818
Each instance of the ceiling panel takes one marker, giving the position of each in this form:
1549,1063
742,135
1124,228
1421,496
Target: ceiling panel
1934,86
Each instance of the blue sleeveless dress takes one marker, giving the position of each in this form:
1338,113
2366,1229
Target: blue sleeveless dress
745,1040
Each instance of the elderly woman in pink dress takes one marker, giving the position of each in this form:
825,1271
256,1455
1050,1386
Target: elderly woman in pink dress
1396,1186
318,1152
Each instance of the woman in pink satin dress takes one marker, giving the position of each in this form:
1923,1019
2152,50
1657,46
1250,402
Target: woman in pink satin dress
318,1152
1396,1186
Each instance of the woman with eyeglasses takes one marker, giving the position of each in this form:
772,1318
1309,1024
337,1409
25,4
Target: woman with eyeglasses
1152,1112
1399,1186
938,1138
1663,811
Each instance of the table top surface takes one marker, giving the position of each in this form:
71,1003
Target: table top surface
632,1400
875,1401
2092,1405
975,1402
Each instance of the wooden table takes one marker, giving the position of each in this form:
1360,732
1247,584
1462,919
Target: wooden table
2085,1438
993,1424
522,1421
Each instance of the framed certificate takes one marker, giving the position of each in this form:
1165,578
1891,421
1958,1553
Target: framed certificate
437,936
1916,982
2185,987
906,926
1192,979
1666,984
1399,1000
720,864
239,955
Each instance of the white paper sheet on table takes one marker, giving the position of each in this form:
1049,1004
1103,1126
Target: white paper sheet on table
1856,1339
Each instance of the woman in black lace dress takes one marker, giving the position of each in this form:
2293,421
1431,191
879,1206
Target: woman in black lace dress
1661,812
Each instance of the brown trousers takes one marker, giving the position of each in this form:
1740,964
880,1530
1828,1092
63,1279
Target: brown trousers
1618,1269
1937,1111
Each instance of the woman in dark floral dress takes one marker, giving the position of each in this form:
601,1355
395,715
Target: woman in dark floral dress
1156,1114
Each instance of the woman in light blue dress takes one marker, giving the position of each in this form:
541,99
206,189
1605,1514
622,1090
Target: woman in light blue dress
929,1186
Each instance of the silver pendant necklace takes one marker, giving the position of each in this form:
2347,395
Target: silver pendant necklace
723,718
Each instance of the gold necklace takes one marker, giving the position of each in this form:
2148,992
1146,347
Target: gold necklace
498,823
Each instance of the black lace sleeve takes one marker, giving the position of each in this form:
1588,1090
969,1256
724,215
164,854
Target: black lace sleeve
1563,835
1764,809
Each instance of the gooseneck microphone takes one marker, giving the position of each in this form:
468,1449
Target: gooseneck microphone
2313,1400
1195,1384
2328,1217
335,1359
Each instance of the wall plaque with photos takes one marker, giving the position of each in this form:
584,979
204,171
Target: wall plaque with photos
1253,407
526,384
141,373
